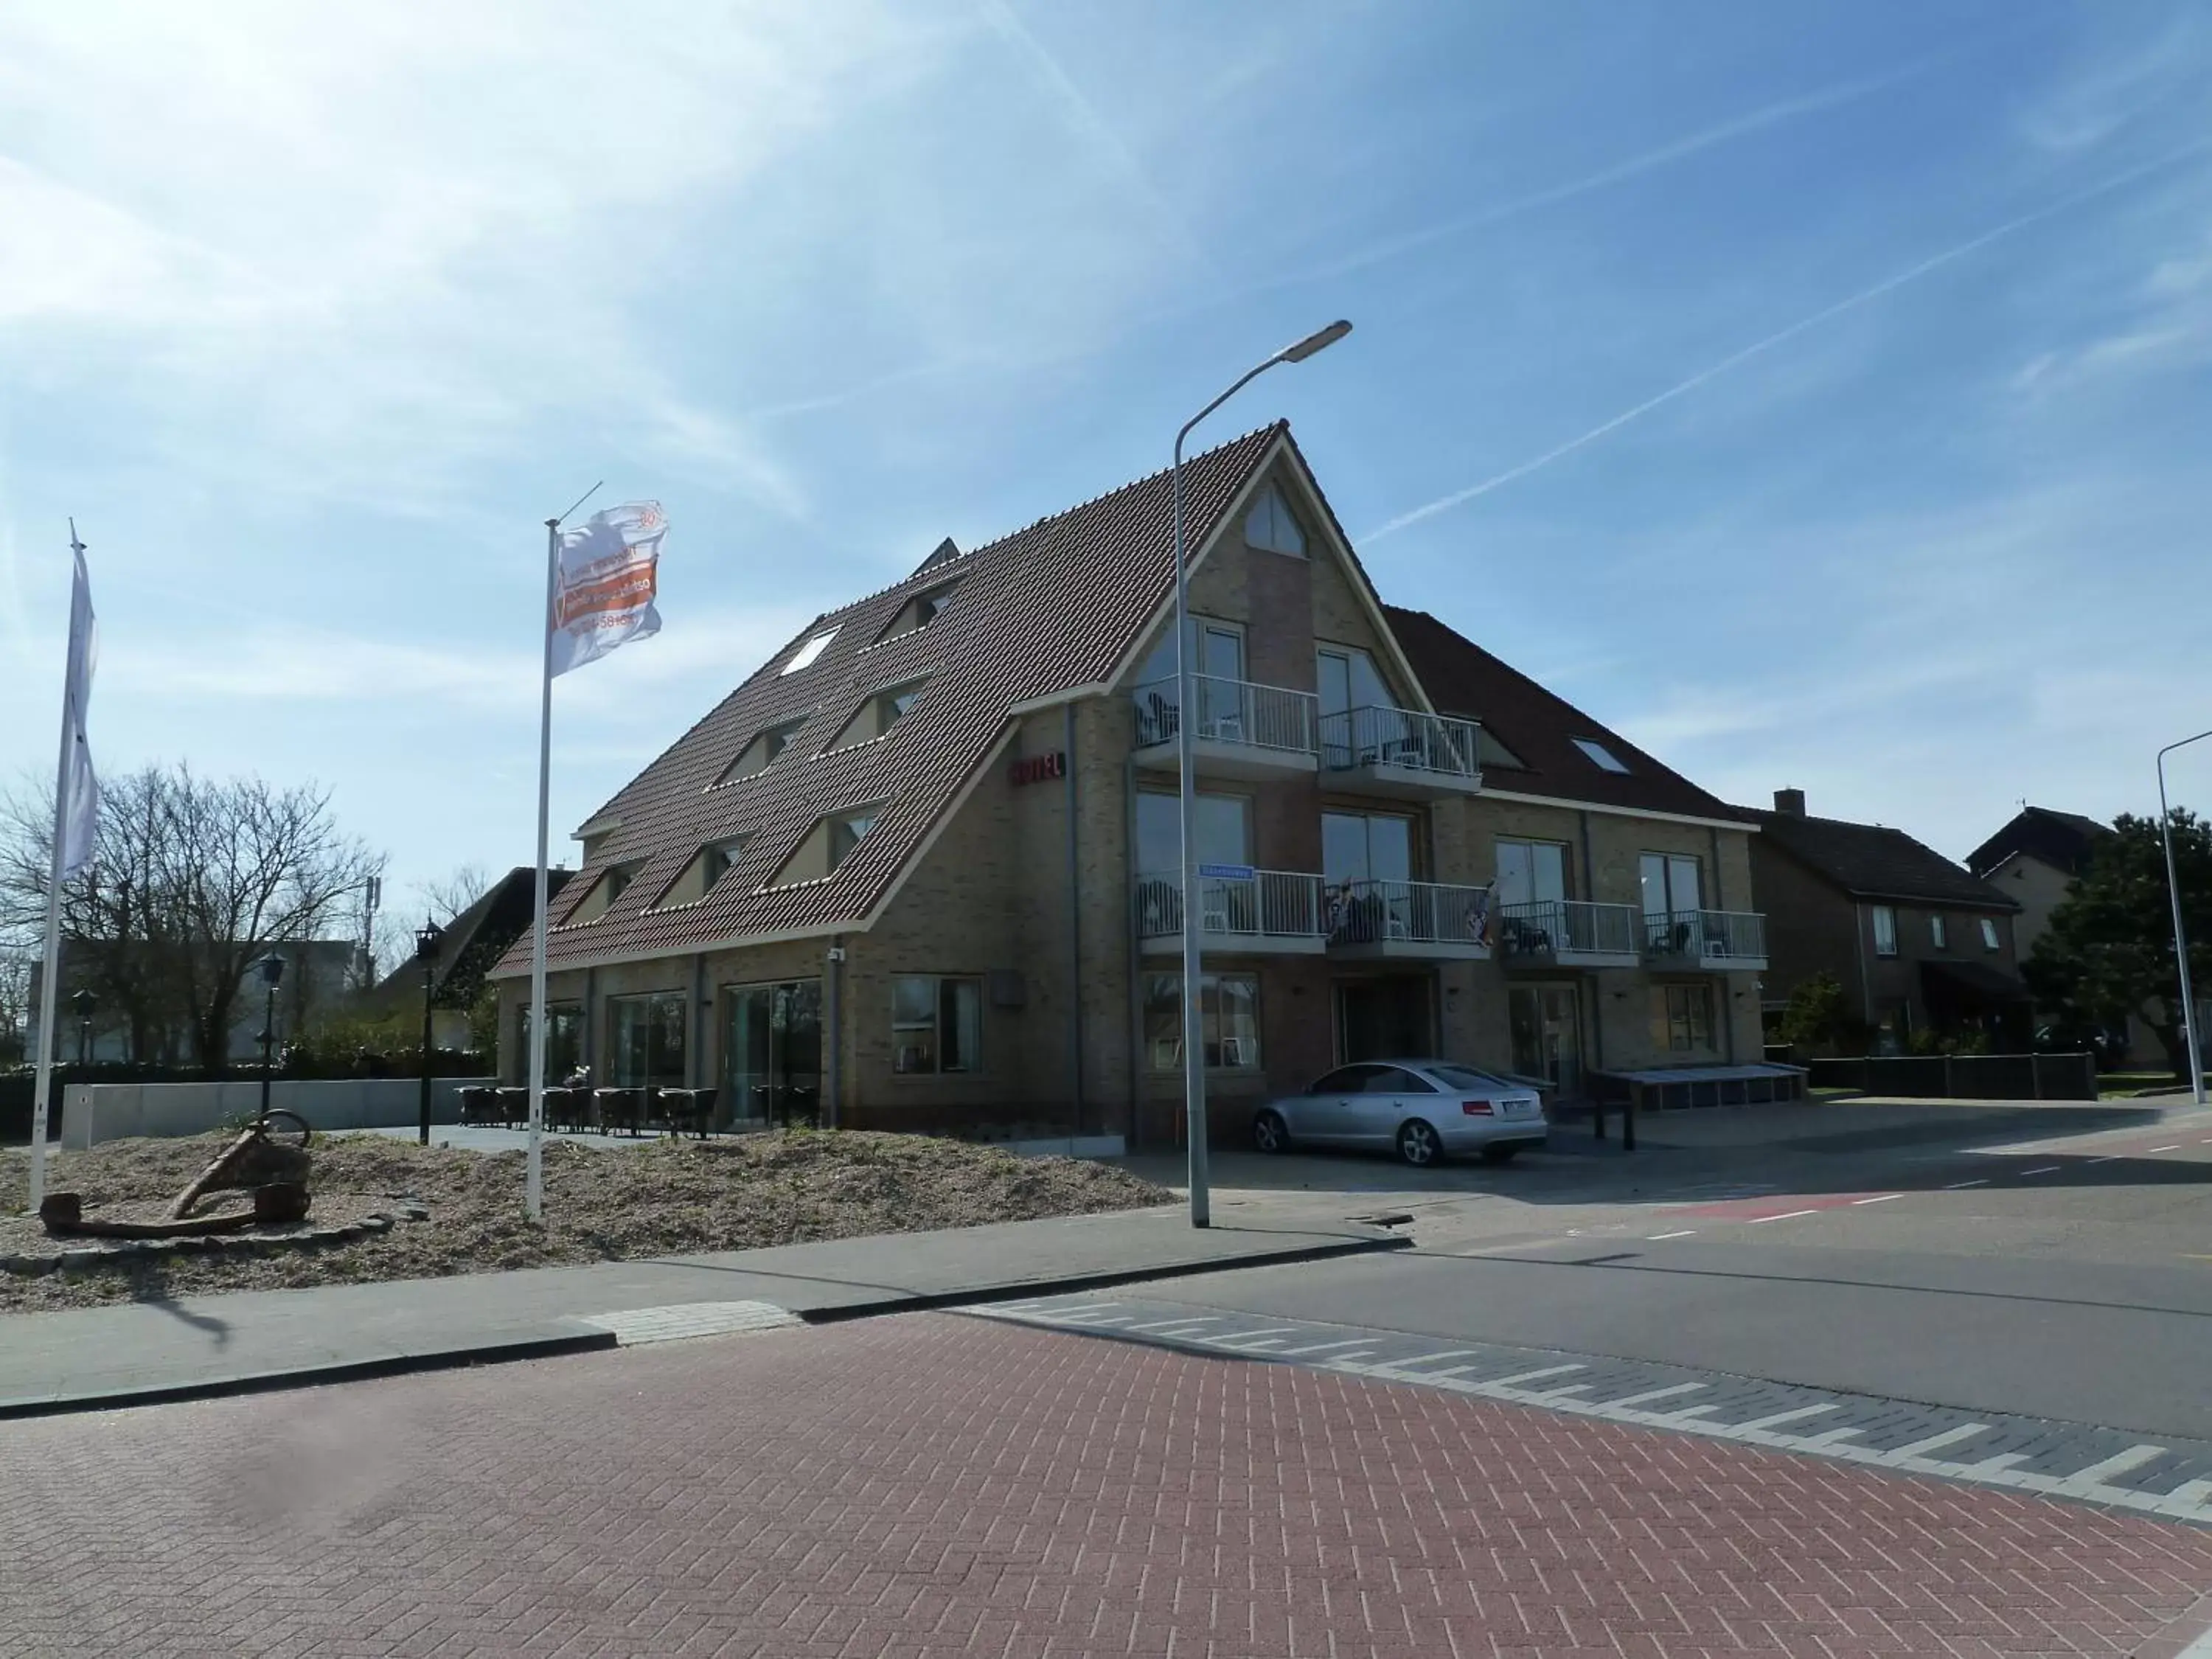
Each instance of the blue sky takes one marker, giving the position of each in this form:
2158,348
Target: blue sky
1817,393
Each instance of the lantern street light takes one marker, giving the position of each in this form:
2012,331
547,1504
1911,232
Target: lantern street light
270,970
428,938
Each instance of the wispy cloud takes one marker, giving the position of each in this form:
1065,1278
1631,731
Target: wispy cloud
1781,337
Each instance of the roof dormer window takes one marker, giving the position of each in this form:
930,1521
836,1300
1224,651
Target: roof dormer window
604,891
759,754
1271,524
1600,756
881,712
707,866
920,611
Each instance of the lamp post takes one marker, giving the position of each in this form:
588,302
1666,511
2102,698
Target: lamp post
1193,1045
83,1002
427,939
270,969
2180,932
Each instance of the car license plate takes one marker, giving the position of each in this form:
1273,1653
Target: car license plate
1519,1108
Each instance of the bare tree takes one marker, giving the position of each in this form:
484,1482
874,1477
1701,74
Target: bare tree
450,894
16,970
191,882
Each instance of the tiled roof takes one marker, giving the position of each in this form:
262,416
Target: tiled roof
1870,861
1049,608
2062,840
473,943
1539,728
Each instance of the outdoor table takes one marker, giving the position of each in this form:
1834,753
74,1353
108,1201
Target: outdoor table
480,1105
620,1108
514,1105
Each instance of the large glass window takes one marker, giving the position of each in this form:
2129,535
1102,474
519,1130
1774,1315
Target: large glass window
1271,525
1989,934
1366,847
564,1040
1220,825
1531,871
1671,884
1682,1017
1939,932
648,1040
1884,930
1229,1021
1348,678
771,1054
937,1023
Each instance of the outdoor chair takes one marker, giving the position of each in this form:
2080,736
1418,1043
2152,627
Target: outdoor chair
687,1110
480,1105
620,1108
513,1106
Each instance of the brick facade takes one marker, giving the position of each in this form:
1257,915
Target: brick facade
991,897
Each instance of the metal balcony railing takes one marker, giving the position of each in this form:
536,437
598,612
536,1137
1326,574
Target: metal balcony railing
1230,711
1267,904
1707,935
1414,912
1565,928
1376,736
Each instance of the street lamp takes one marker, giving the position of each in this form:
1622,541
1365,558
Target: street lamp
428,938
1193,1045
2180,932
84,1002
270,969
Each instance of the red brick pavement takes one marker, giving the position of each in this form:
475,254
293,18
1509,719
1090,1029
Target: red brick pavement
932,1486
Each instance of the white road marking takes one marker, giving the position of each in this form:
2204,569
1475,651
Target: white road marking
1685,1233
1787,1215
1960,1185
1266,1337
2175,1147
1879,1198
1659,1393
1938,1442
1175,1324
2041,1169
2118,1463
685,1320
1323,1347
2109,1157
1519,1377
1441,1353
1788,1417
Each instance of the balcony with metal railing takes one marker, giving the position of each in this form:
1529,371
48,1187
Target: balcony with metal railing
1713,939
1399,753
1240,729
1407,921
1568,933
1270,912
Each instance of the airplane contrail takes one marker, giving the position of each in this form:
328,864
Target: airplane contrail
1852,302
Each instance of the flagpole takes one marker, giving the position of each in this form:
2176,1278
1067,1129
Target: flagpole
533,1201
50,985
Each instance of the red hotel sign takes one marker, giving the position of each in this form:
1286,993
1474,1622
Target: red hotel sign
1038,769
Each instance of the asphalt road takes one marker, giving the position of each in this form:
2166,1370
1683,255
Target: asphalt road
2068,1276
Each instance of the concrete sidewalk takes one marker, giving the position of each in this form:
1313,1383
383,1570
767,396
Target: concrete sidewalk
139,1353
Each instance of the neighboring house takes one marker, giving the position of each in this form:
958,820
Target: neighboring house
2034,860
922,868
1918,944
469,948
319,973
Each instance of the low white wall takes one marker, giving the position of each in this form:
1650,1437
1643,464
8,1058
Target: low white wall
94,1112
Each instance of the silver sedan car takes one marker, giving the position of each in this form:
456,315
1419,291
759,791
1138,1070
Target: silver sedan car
1424,1109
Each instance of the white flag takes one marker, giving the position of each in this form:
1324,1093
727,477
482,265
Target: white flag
77,812
603,594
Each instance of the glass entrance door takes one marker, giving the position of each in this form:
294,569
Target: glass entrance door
1547,1035
771,1054
1385,1018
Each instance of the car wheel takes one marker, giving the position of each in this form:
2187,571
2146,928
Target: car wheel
1270,1133
1419,1146
1500,1154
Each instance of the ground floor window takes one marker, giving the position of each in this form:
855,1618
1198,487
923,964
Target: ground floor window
1682,1017
648,1040
937,1023
564,1039
1229,1021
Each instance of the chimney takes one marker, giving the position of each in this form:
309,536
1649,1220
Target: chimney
1790,802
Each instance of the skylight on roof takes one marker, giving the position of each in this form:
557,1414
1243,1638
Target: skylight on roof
808,652
1601,756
